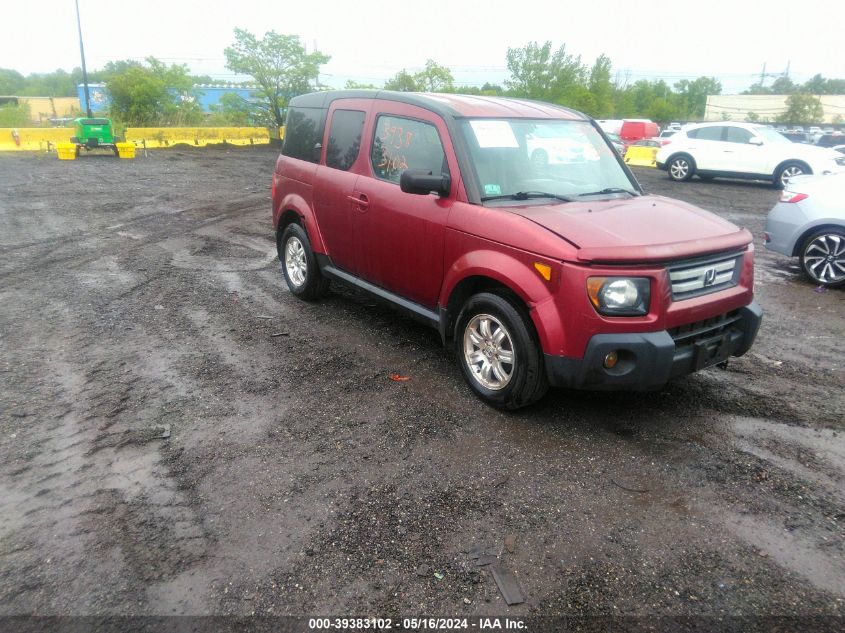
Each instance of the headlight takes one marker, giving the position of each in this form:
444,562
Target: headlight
619,296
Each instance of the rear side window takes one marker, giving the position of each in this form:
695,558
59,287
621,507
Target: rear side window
303,133
344,138
738,135
712,133
401,144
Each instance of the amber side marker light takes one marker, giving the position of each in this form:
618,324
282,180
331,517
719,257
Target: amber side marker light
594,284
544,269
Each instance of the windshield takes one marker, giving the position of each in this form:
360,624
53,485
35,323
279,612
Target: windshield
771,136
561,158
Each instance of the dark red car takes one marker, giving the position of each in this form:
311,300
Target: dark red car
558,272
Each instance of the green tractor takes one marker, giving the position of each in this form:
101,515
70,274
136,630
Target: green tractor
94,133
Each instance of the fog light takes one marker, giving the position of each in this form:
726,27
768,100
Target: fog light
610,360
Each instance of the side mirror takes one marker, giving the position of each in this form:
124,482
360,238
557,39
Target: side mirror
422,182
755,140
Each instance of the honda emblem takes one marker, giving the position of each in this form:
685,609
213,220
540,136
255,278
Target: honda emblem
709,277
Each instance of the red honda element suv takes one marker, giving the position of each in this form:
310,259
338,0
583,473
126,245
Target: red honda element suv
552,271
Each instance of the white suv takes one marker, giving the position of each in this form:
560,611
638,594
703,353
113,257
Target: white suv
742,150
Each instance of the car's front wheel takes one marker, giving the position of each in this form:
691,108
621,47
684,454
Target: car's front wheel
498,352
681,168
823,257
299,265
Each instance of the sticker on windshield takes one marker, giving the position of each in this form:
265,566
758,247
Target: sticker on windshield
493,133
492,190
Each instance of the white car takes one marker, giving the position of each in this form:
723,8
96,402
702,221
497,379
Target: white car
743,150
809,223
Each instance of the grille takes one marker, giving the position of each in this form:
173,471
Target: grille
691,332
691,279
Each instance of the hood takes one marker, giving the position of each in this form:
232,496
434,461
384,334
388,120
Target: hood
643,229
811,152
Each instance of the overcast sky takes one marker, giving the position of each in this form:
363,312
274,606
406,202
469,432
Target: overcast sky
370,40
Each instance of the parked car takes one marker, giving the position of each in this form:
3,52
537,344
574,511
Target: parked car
635,129
797,137
617,143
647,142
546,145
742,150
831,140
562,274
666,135
809,223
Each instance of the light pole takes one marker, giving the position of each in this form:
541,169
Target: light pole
84,71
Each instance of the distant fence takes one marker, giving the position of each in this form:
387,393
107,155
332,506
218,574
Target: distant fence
43,139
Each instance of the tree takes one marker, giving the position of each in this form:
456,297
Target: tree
354,85
752,117
434,78
155,94
802,108
784,86
402,81
601,88
538,73
11,81
280,66
692,96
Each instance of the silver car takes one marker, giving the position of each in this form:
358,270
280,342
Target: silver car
809,222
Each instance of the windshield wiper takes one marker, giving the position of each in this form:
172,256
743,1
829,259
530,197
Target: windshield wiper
527,195
610,190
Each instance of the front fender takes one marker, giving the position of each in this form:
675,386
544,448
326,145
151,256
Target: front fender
516,272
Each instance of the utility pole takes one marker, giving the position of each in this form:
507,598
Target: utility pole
84,71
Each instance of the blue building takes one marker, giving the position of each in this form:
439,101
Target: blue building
205,96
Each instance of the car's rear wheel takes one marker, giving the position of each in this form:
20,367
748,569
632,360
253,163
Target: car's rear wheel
299,265
788,171
498,352
823,257
681,168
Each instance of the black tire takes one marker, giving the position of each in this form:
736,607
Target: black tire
823,257
526,382
303,276
680,167
787,170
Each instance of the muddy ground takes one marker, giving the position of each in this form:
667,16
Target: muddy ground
179,435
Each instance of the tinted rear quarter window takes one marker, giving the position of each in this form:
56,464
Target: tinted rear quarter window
303,132
712,133
344,138
738,135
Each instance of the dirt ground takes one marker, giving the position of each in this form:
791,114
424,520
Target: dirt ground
179,435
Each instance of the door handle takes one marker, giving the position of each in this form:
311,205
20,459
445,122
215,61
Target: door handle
728,151
361,200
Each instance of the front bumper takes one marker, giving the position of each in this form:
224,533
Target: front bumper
648,360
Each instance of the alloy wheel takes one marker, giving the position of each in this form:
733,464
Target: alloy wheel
824,258
679,169
489,352
295,262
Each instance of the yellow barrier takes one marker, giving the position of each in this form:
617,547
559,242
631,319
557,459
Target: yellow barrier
152,137
33,138
125,150
641,156
66,151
